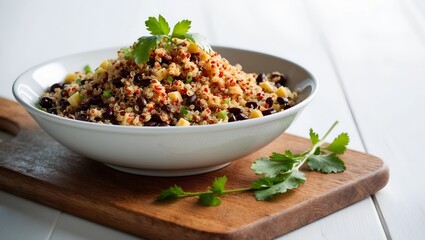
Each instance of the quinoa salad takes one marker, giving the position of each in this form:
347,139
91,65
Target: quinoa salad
180,84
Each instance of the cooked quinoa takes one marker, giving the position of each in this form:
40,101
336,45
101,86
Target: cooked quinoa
179,85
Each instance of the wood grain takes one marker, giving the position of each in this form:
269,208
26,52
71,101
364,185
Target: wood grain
35,166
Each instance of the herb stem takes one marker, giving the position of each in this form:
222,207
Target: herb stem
193,194
315,146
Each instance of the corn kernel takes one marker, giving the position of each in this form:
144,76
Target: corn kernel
70,78
183,122
161,74
283,92
105,64
75,99
100,71
192,48
175,96
255,114
266,86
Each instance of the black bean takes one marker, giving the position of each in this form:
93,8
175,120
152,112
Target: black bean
97,100
279,78
82,117
64,103
241,117
46,102
114,121
199,108
232,118
52,110
117,83
150,123
156,118
191,100
166,108
151,62
166,59
278,85
260,77
109,114
251,105
282,100
85,105
235,110
141,102
268,111
140,81
83,82
269,101
124,73
54,86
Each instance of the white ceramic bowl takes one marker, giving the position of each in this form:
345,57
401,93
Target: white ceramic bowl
163,151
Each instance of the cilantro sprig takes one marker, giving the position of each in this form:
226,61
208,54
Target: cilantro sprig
281,171
160,31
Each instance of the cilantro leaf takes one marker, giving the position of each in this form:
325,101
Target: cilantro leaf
266,182
283,157
218,185
339,144
199,40
269,168
170,193
329,163
314,137
181,28
157,26
208,199
292,180
281,171
144,46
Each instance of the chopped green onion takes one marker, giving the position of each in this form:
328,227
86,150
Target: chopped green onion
189,78
78,80
183,110
170,79
87,69
38,106
128,53
107,93
222,114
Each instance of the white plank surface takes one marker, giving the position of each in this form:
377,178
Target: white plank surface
23,219
380,54
368,55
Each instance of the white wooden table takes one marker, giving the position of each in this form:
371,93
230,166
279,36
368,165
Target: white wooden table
368,56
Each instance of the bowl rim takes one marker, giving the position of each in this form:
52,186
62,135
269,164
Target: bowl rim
166,129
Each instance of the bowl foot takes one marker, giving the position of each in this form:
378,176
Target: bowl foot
168,173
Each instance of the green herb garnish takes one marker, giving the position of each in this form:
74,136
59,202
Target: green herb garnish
159,29
189,78
183,110
87,69
281,171
170,79
107,93
222,114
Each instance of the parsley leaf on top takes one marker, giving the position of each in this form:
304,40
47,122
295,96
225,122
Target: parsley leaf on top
160,29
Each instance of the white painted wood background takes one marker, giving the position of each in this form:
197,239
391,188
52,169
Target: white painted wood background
368,56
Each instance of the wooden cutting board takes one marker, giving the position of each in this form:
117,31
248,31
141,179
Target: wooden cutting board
34,166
